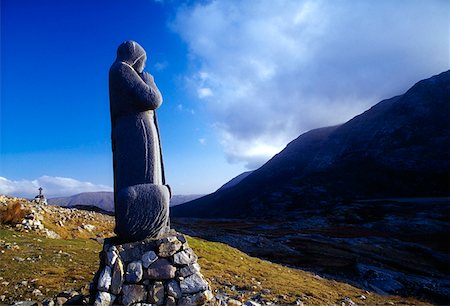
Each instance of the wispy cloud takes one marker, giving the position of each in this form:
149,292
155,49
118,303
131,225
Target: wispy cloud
52,186
271,70
182,108
159,66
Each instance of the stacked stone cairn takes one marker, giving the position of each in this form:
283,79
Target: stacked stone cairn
152,271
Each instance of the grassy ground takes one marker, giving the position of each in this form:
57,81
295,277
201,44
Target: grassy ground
29,262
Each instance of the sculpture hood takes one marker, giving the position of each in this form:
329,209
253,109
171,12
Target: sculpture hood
130,52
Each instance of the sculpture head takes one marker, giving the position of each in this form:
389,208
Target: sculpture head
133,54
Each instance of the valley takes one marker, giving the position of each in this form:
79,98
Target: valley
389,246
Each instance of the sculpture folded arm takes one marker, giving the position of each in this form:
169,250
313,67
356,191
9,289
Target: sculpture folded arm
147,96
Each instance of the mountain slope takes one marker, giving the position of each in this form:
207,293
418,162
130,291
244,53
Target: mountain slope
236,180
399,147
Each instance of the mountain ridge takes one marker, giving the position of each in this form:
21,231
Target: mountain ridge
398,147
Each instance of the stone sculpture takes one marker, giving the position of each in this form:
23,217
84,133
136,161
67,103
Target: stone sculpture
141,196
147,263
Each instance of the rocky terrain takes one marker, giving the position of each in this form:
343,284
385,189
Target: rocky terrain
40,270
366,201
395,246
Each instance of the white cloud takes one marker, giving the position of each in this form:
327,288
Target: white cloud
274,69
202,141
52,187
204,92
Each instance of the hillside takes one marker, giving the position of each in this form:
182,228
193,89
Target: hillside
397,148
35,267
236,180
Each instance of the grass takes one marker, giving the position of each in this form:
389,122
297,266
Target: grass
50,265
223,265
29,261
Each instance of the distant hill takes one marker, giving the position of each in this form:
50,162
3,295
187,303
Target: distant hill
105,200
101,199
398,148
180,199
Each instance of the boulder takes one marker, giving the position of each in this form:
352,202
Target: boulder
193,284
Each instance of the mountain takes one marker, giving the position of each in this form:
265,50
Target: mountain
101,199
180,199
236,180
105,200
399,147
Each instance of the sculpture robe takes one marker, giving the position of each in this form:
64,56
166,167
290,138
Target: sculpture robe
135,136
141,198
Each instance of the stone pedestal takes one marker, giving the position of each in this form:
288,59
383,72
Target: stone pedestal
151,271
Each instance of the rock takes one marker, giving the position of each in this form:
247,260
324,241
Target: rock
161,269
156,293
88,227
170,301
51,234
104,299
173,289
196,299
233,302
148,258
251,303
168,246
117,277
189,270
181,238
349,302
60,300
193,284
24,303
48,302
111,256
133,294
37,292
130,252
185,257
134,272
104,281
2,298
17,258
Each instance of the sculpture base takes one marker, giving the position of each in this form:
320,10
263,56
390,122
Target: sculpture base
160,271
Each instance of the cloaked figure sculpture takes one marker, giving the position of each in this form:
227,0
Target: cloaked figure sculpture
141,196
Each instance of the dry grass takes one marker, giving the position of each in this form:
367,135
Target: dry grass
13,213
29,261
50,265
225,267
55,265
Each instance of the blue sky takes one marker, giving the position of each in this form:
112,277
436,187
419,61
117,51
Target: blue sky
240,79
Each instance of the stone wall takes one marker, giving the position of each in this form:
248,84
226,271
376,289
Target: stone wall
151,271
